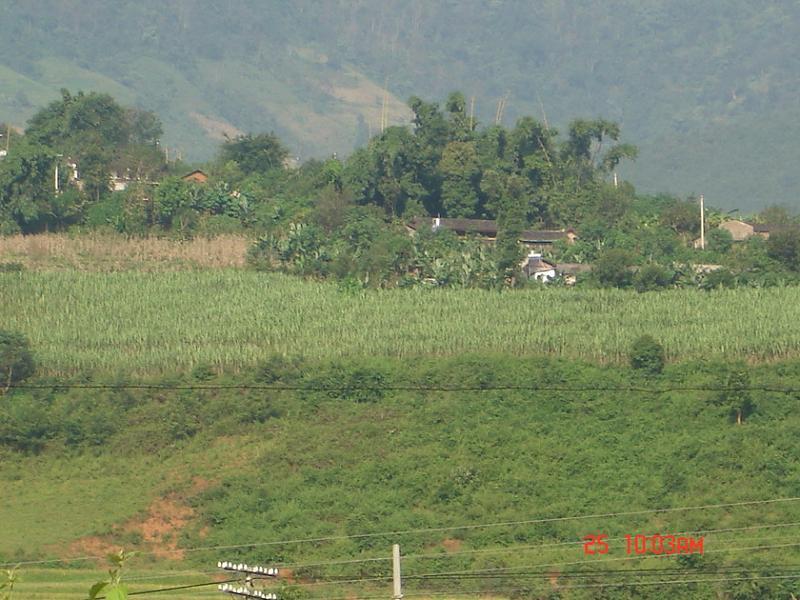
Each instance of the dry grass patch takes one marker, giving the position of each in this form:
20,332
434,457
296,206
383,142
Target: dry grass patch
108,253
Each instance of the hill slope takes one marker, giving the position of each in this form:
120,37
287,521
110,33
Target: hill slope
255,466
707,90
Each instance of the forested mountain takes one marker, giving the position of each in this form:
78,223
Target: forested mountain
708,91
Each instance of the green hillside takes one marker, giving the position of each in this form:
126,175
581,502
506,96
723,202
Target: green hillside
366,448
201,415
706,90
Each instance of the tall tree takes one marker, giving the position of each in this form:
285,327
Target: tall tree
255,153
26,185
511,222
389,172
461,173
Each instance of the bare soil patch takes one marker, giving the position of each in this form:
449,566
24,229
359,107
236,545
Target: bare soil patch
452,545
159,528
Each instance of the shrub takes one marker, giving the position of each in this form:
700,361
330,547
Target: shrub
203,372
784,246
11,267
721,278
612,268
734,393
8,226
216,225
25,424
720,241
279,368
652,277
16,360
360,384
108,211
647,355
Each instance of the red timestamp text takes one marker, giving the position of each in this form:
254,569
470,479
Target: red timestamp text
646,544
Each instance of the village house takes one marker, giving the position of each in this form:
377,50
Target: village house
196,176
569,271
486,230
121,180
705,269
537,268
741,230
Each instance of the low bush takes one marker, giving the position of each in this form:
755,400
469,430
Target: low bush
16,360
647,355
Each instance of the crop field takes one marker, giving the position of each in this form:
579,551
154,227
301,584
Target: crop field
108,252
231,319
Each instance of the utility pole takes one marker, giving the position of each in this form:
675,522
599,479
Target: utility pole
55,179
397,590
472,114
385,106
252,573
702,224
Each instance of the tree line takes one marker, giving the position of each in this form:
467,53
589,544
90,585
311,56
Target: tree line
344,218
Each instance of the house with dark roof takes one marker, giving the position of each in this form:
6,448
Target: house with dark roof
765,229
487,230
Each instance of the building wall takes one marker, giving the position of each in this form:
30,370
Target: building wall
545,276
738,229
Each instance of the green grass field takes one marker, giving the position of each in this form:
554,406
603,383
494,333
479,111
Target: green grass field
152,323
74,584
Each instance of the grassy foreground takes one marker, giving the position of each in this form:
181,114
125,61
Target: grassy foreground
249,466
232,319
73,584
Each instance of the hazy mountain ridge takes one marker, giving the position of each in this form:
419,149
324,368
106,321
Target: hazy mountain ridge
707,92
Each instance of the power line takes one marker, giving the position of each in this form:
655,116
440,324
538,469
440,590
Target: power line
517,548
598,560
590,561
459,553
486,573
176,588
443,529
510,571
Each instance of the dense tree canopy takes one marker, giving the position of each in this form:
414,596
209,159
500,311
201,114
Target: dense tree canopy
66,158
255,153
